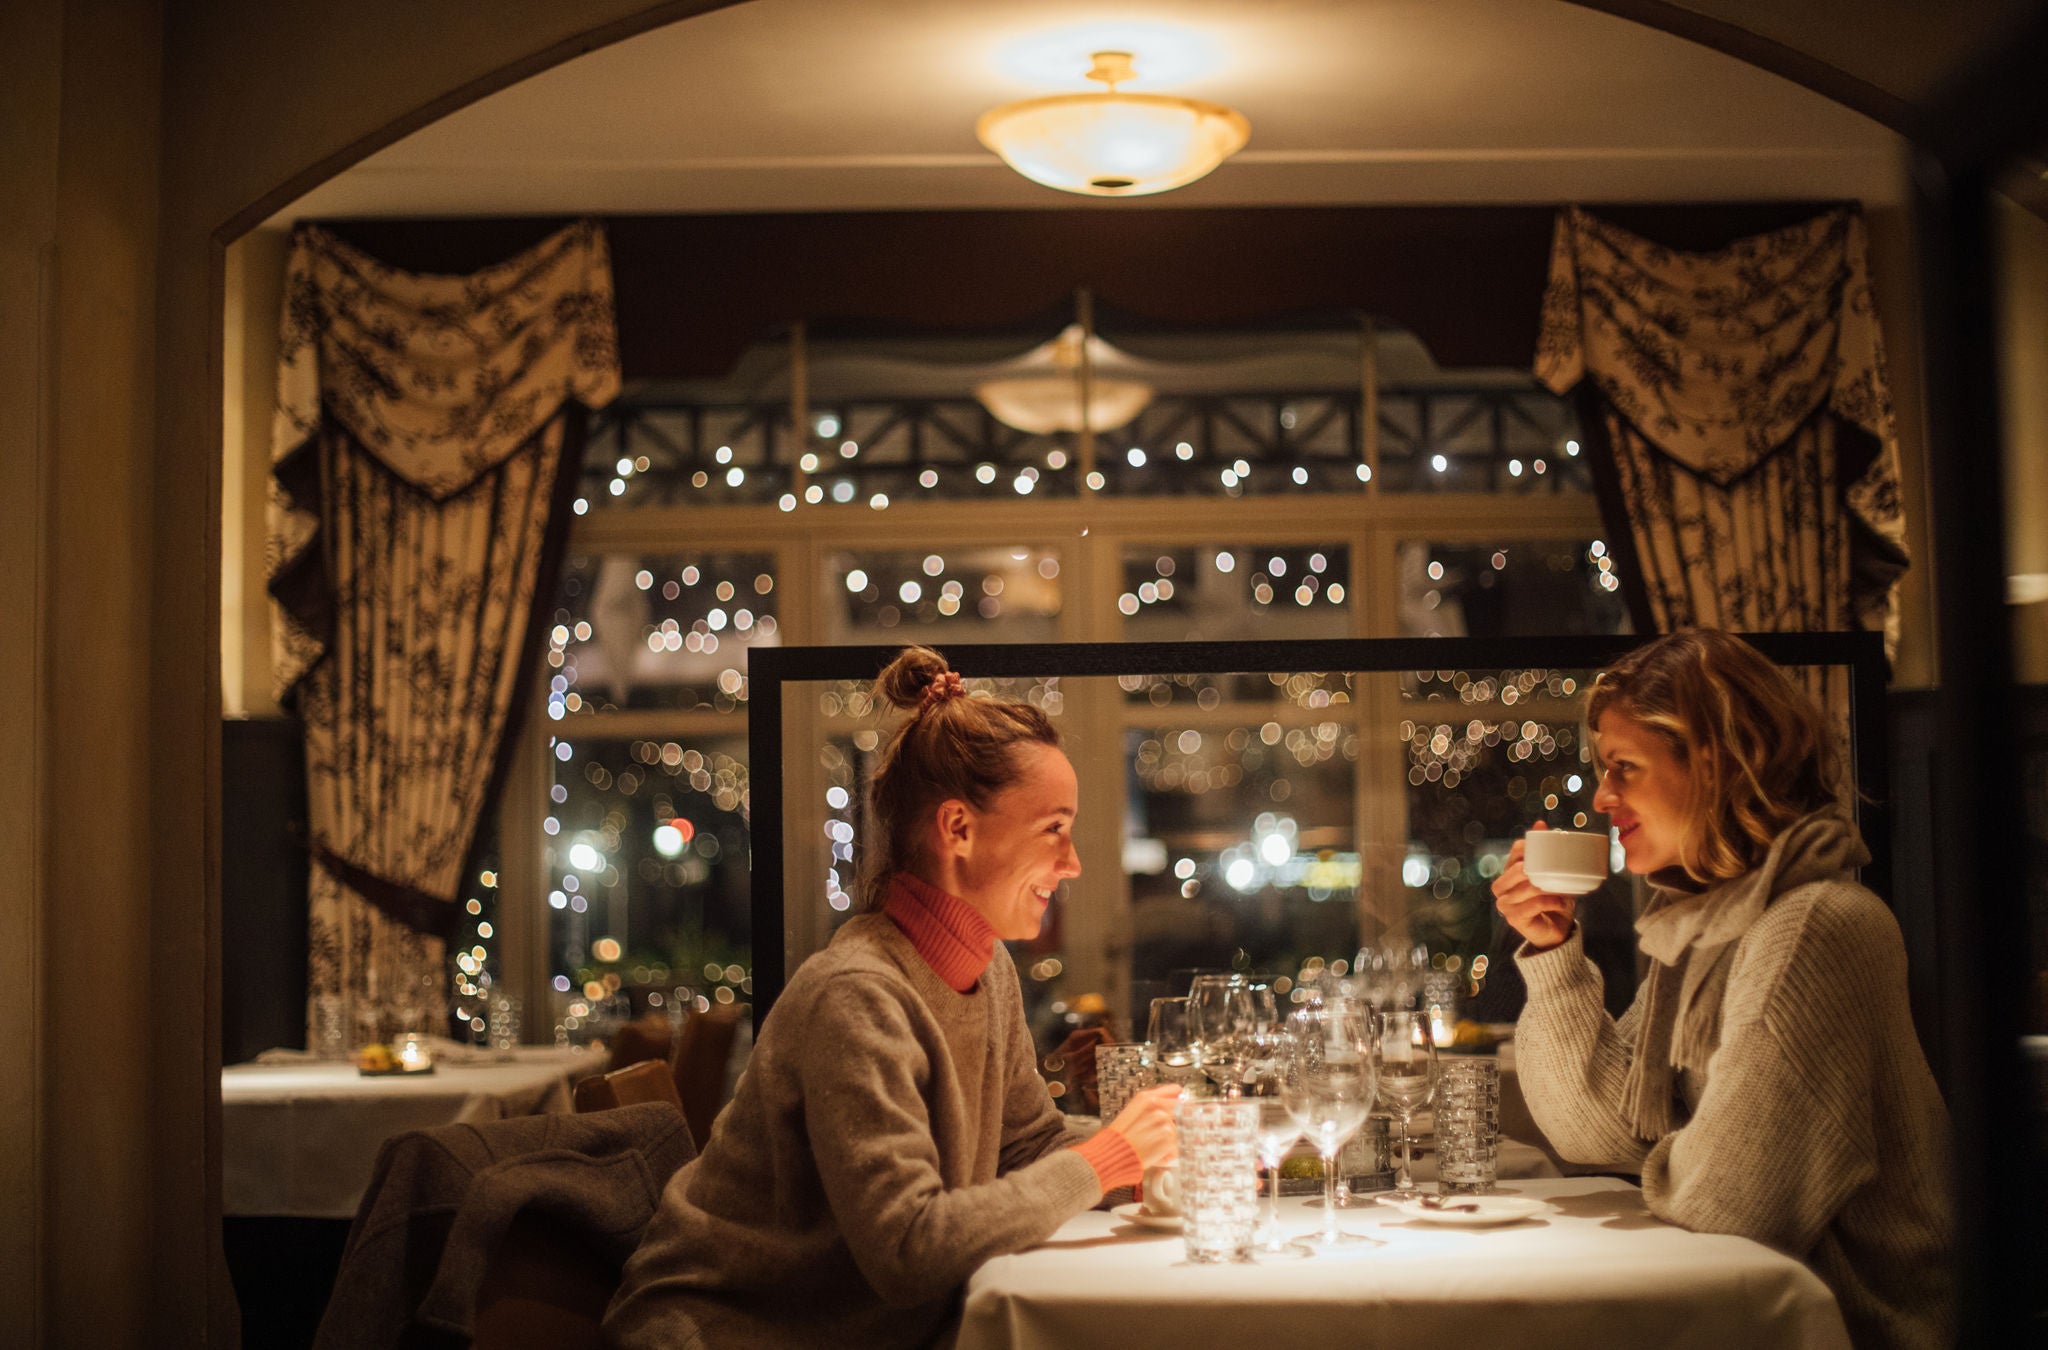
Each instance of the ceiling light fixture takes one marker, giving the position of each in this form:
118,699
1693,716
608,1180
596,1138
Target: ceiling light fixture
1112,144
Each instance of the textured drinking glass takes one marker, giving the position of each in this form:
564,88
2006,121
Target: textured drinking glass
1467,1125
504,1021
1442,992
330,1026
1120,1073
1219,1180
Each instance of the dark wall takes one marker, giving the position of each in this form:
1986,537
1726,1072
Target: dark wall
262,887
695,291
1914,772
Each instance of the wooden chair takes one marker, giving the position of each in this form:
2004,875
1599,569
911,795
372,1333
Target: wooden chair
648,1080
542,1292
702,1053
647,1037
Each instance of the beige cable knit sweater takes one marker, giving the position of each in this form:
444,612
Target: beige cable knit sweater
1774,1042
888,1136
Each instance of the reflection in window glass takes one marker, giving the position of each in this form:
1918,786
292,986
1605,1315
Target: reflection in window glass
647,871
1509,589
661,631
1241,848
1235,593
965,594
1485,755
851,733
1219,413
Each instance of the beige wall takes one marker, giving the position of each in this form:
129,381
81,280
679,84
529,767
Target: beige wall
253,281
2023,378
31,108
77,372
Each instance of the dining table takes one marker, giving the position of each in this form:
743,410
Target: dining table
300,1135
1594,1267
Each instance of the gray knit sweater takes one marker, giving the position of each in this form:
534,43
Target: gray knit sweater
888,1136
1767,1081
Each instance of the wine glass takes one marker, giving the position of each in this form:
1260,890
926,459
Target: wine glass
1331,1073
1218,1014
1171,1038
1265,1077
1370,972
1405,967
1407,1055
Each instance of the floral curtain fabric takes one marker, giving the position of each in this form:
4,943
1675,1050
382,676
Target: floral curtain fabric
427,431
1743,399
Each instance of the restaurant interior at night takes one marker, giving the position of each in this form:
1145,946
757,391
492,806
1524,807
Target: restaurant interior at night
1302,412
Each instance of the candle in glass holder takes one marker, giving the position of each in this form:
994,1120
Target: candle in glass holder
413,1054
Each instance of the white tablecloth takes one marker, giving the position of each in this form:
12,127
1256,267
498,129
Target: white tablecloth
301,1139
1599,1272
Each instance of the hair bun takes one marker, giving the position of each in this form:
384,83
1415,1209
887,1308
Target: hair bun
905,681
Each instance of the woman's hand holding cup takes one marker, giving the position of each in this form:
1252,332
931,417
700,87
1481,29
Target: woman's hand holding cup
1147,1125
1543,919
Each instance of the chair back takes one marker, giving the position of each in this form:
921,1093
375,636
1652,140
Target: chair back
649,1080
702,1053
647,1037
542,1291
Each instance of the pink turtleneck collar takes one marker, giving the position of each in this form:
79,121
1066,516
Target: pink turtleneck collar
950,934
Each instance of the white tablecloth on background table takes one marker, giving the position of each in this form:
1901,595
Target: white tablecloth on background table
1600,1271
301,1139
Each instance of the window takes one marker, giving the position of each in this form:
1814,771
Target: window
1266,820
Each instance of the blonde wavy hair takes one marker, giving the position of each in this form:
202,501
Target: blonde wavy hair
1758,752
953,746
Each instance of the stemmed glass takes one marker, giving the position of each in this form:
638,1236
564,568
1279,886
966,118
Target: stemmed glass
1218,1015
1265,1076
1403,970
1371,975
1171,1038
1407,1055
1332,1071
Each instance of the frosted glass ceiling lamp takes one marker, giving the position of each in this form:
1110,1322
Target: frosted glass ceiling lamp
1111,144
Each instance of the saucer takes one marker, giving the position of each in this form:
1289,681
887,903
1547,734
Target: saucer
1490,1210
1135,1213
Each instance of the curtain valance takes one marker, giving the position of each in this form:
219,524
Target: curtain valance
1717,357
437,379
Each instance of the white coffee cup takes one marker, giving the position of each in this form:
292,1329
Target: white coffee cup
1565,862
1159,1192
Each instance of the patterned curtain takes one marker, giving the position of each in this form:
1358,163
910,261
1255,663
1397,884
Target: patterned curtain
1748,426
428,431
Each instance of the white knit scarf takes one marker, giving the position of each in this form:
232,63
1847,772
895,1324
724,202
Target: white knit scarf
1690,935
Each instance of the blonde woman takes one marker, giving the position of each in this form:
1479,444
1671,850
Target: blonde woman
1767,1081
891,1132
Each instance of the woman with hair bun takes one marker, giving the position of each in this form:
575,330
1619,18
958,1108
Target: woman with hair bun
1767,1081
891,1132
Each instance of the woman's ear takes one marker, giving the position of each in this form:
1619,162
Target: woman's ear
955,825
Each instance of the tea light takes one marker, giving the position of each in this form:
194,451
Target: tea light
413,1054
